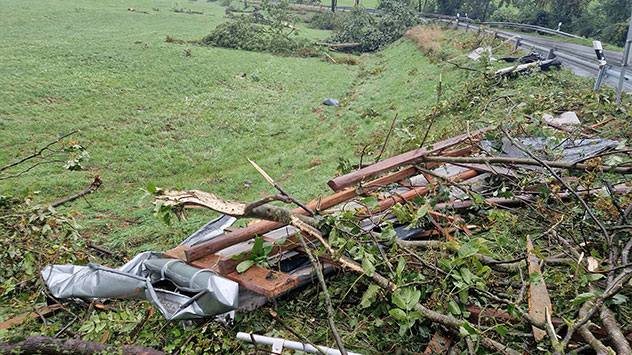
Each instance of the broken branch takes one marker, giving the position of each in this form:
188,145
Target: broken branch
92,188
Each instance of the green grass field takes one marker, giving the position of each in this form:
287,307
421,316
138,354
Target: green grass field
148,113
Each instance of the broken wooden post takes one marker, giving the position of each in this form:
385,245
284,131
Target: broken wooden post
385,165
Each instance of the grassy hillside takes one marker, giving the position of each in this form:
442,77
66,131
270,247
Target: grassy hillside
149,113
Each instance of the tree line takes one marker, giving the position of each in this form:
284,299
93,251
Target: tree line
606,20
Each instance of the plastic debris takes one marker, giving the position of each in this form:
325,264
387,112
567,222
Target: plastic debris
567,118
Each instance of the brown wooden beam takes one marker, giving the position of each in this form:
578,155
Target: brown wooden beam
259,228
385,165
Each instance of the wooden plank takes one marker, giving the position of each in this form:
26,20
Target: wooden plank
539,301
420,191
385,165
266,282
262,227
43,311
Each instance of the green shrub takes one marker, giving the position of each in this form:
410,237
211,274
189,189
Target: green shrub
268,30
243,34
328,20
374,32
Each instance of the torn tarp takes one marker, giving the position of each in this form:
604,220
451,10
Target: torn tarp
178,290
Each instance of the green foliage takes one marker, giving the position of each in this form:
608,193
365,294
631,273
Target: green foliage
268,31
373,32
258,255
31,237
327,20
242,34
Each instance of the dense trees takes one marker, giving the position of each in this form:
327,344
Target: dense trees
606,20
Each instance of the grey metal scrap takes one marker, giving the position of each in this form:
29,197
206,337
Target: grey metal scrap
188,293
568,150
210,230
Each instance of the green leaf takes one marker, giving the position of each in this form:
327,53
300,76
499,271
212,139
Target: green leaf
369,296
368,267
445,264
398,300
280,241
257,247
244,265
467,275
401,264
468,328
415,315
594,277
468,249
398,314
463,296
453,307
502,330
583,297
238,256
619,299
370,202
151,188
406,298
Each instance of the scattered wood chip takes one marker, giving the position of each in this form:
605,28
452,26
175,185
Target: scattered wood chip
593,263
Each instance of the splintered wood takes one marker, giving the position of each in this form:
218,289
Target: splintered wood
539,301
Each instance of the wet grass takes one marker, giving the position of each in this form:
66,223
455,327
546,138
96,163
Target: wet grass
148,113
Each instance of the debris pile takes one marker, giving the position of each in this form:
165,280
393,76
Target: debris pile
435,198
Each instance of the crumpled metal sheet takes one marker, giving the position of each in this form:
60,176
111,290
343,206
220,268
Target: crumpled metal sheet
178,290
210,230
567,150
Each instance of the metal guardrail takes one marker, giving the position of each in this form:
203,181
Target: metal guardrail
463,19
589,66
532,28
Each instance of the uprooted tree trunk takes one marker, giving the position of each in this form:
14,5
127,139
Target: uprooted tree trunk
259,209
55,346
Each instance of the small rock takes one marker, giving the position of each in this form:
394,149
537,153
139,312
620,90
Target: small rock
330,102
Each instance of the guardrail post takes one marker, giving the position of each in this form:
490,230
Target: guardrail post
624,67
517,44
603,64
600,76
467,26
551,54
624,62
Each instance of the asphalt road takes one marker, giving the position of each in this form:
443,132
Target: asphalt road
578,58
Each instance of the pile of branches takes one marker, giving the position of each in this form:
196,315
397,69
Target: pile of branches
483,274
